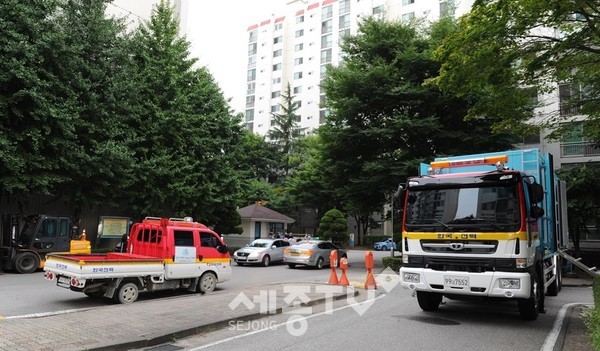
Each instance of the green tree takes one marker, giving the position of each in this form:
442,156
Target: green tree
285,130
383,120
334,226
507,51
187,140
61,99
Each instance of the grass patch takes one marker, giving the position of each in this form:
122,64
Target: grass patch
592,320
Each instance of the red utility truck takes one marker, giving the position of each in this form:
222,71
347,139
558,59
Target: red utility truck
161,254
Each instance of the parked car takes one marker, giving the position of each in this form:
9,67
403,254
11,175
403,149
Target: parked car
385,245
311,253
261,251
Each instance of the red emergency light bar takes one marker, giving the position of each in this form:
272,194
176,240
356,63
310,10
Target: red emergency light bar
490,160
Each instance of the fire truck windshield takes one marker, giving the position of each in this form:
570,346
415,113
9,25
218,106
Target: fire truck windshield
481,209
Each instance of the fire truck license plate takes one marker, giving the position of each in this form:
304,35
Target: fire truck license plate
456,281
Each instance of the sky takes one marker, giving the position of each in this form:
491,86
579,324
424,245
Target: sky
218,33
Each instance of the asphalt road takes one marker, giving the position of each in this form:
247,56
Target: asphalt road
26,294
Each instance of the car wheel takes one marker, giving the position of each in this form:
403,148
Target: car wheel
320,262
291,265
266,261
207,283
384,248
126,293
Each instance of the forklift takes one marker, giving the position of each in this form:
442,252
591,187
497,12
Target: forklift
25,241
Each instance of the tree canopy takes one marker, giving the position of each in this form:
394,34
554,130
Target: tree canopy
384,120
507,52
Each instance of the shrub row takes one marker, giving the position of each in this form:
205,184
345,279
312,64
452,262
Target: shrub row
592,321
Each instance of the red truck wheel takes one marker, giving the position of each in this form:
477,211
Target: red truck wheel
207,283
126,293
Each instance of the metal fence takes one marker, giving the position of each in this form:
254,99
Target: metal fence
579,149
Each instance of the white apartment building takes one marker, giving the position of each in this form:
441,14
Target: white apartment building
295,48
136,11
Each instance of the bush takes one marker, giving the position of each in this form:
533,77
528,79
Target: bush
334,226
592,320
393,262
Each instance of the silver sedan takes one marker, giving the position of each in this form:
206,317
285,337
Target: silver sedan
261,251
311,253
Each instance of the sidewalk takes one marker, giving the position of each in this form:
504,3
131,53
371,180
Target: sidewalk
153,322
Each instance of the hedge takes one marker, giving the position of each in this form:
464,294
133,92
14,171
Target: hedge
393,262
592,321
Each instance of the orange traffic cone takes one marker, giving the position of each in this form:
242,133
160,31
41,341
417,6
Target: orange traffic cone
344,277
370,281
333,279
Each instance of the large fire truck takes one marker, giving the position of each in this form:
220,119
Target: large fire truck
484,226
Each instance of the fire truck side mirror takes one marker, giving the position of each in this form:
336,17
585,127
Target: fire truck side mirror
222,248
399,196
537,192
536,211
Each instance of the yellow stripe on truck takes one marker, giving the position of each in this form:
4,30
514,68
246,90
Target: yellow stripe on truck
465,235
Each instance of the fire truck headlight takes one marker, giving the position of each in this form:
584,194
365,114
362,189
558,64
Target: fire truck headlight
521,262
510,283
412,277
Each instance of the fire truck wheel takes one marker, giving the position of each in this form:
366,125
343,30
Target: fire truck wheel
530,308
27,262
429,301
556,285
126,293
207,283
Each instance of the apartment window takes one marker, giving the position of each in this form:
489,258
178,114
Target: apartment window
251,60
275,94
251,88
298,89
250,101
408,16
275,108
250,115
277,53
298,75
299,47
326,41
407,2
345,21
573,140
327,12
299,33
326,26
322,100
323,116
277,40
278,26
322,71
378,9
326,56
253,36
532,139
344,6
252,49
251,75
298,61
277,80
297,104
568,94
277,67
344,32
300,19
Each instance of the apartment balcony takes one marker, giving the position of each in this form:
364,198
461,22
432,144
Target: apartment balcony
578,149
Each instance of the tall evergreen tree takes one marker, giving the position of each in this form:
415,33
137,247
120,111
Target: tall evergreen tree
285,130
188,140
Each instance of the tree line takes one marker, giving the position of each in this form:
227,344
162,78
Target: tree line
94,112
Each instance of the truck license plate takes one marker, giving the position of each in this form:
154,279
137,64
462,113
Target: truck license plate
456,281
63,281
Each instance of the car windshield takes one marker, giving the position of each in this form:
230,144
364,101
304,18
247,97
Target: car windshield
261,244
483,209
